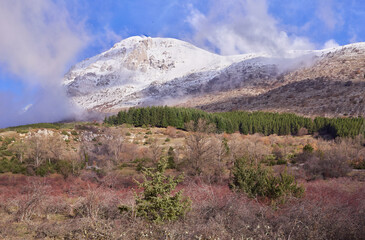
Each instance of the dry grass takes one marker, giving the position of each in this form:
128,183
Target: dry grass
332,209
86,206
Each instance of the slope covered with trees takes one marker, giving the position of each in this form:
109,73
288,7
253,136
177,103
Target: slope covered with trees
244,122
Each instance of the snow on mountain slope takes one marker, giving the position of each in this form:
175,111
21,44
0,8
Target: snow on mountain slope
144,71
136,63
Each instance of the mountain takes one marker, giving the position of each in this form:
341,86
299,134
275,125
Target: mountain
332,85
141,71
128,73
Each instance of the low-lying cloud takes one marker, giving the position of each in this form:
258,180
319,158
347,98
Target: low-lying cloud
330,44
236,27
38,41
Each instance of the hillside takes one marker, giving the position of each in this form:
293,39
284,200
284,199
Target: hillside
309,97
78,181
333,86
141,71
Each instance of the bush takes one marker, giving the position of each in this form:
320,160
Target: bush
141,163
308,148
156,203
64,133
171,159
302,131
257,181
281,162
45,169
6,153
22,131
358,164
12,165
64,168
74,133
329,164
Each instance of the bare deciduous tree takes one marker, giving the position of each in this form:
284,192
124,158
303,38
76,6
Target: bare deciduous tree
114,141
37,149
199,149
54,147
155,151
20,148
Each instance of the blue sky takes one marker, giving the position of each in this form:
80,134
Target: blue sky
68,31
318,20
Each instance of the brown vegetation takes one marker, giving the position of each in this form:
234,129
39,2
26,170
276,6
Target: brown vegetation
84,202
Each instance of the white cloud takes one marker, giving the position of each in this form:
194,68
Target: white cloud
38,41
327,13
235,27
38,38
331,44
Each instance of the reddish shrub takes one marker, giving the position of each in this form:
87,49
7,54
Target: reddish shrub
171,131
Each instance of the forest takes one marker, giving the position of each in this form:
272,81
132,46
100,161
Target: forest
245,122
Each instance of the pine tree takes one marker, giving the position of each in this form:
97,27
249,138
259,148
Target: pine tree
157,203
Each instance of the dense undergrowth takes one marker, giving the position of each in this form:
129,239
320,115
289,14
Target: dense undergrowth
90,181
75,208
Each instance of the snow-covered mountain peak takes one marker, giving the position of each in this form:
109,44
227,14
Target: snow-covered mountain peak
140,70
137,62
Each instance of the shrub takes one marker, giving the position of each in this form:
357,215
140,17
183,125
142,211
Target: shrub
257,181
12,165
358,164
64,133
44,169
329,164
281,162
249,178
157,203
6,142
308,148
171,158
171,131
64,168
6,153
31,204
22,131
283,185
141,163
74,133
302,131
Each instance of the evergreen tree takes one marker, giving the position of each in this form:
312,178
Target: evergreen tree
157,203
244,122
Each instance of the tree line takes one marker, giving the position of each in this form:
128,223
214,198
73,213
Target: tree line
244,122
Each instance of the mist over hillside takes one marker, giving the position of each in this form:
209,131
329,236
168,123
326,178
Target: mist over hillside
144,71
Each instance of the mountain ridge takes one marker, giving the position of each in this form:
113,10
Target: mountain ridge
142,71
